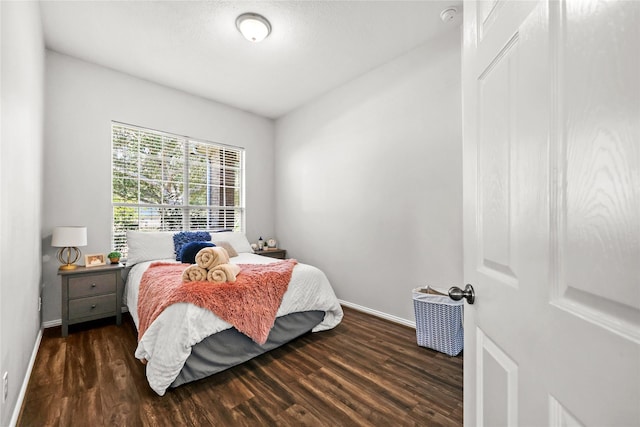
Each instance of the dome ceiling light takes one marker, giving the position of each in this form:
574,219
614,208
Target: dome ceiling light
253,27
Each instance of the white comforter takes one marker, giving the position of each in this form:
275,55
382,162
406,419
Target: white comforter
167,343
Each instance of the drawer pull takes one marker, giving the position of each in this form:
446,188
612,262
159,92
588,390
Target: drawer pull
93,285
93,306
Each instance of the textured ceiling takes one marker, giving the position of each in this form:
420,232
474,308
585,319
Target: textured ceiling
195,47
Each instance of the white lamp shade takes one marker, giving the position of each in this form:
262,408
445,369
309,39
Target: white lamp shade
64,237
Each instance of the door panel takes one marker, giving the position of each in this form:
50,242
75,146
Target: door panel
559,416
599,156
496,103
499,381
551,101
487,13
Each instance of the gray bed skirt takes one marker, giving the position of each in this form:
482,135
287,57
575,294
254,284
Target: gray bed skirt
229,347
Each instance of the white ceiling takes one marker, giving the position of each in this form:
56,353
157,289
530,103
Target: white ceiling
195,47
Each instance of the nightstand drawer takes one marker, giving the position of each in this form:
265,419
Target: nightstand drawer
85,307
95,284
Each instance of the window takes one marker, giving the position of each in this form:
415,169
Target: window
168,182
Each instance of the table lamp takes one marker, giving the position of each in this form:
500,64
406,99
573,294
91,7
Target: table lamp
68,239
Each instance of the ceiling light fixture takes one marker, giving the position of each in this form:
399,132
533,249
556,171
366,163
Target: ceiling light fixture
253,27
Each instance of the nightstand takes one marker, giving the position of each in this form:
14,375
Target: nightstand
273,253
91,293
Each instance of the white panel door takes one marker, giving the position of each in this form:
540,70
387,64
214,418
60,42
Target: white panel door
551,99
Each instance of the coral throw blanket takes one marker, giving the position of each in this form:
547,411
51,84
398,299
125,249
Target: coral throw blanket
250,304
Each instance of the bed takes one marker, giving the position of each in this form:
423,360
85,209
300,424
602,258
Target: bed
186,342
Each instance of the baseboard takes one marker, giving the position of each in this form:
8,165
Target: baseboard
380,314
25,383
52,323
58,322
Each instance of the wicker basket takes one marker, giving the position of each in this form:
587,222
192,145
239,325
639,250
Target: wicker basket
439,324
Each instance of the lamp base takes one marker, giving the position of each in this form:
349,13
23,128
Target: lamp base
67,257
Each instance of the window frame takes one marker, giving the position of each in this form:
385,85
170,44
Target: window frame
189,147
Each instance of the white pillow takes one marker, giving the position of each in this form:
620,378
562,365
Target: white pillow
149,246
237,240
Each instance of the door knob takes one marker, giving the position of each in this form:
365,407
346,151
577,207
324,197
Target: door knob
456,294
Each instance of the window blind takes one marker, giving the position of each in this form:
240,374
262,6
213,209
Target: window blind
164,182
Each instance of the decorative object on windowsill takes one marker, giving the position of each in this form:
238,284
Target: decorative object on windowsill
254,246
94,260
260,244
68,239
114,257
271,243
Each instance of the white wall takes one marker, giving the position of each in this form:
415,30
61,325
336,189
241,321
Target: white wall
81,101
369,180
21,120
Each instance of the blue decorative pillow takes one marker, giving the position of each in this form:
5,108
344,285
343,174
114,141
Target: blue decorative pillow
182,238
191,249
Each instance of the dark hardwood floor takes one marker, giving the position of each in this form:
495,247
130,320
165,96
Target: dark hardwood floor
366,371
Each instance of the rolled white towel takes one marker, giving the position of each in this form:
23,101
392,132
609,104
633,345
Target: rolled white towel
194,273
208,258
223,273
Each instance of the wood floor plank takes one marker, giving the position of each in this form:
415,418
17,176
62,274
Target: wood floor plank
77,409
334,410
298,415
391,399
48,371
43,411
208,397
367,371
80,370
